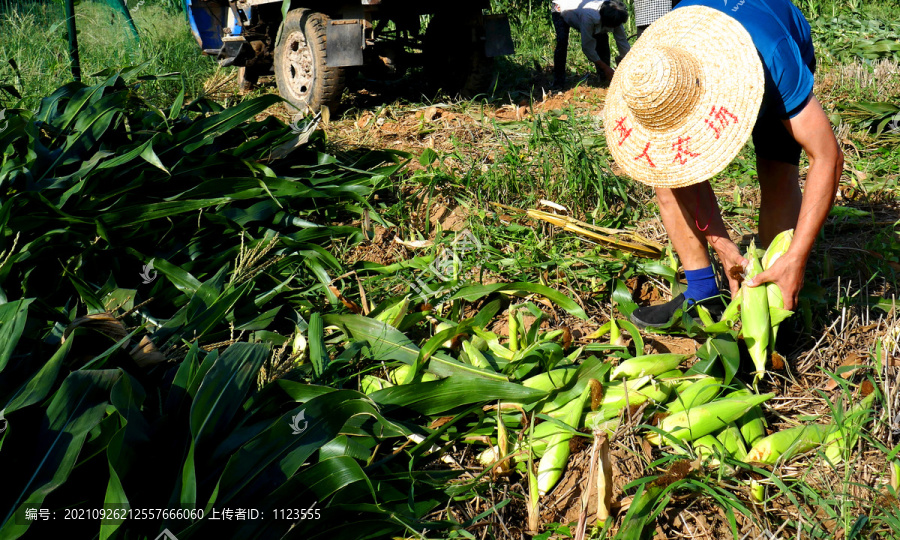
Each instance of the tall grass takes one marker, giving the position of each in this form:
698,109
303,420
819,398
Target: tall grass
34,38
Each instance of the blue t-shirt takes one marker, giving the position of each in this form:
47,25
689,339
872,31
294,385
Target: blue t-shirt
782,38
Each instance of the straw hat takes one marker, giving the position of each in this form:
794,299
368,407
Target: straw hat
684,101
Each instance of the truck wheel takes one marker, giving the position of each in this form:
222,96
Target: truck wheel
453,60
302,77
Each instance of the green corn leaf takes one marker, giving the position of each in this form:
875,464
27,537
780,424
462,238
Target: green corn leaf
76,408
224,387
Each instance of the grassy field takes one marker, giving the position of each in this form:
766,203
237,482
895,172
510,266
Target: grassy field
208,303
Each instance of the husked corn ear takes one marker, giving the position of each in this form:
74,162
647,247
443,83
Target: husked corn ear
555,456
841,440
699,392
753,426
787,443
755,317
698,421
649,364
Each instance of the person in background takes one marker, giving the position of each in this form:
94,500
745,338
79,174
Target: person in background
647,11
593,19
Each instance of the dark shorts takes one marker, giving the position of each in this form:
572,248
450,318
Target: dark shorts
773,141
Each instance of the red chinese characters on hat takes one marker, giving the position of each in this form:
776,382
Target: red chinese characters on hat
622,130
644,154
683,150
720,119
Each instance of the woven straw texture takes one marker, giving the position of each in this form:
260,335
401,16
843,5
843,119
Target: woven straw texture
684,101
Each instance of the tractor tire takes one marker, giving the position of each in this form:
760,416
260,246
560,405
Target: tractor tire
453,61
302,77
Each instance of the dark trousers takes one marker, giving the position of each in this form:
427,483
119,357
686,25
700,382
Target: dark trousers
562,46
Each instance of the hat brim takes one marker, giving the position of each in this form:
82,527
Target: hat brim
712,133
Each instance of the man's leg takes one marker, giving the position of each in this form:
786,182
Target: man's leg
677,208
561,50
779,207
777,165
689,214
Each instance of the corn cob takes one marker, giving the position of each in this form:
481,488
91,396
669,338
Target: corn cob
841,439
777,313
753,426
787,443
707,447
513,329
551,380
395,313
557,453
650,364
400,373
733,442
699,392
729,317
698,421
705,316
475,356
371,383
755,317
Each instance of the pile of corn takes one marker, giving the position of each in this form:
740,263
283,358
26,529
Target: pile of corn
698,413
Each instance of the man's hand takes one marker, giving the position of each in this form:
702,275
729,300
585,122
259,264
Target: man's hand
604,69
732,260
787,273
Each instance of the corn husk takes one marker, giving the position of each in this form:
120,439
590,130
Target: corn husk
698,421
841,440
777,313
755,318
753,426
787,443
649,364
701,391
733,442
551,466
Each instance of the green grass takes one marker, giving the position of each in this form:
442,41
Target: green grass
34,38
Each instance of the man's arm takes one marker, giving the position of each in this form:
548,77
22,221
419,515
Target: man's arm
812,130
621,40
588,43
